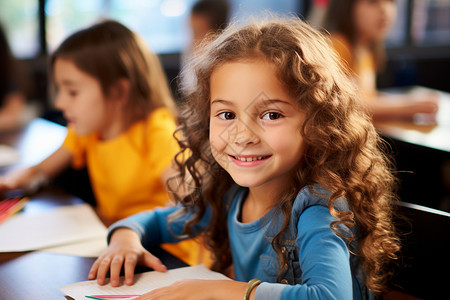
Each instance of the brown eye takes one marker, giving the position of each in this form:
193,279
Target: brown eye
272,116
228,115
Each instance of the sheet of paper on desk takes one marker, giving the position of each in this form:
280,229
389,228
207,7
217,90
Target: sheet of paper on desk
144,282
90,248
60,226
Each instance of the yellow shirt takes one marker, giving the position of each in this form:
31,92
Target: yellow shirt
125,172
361,64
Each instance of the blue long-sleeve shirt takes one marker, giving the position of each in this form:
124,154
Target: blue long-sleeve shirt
318,265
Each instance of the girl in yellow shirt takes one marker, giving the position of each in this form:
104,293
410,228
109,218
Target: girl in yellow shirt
115,97
358,29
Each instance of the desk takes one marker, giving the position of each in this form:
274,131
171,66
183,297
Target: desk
423,151
434,136
38,275
422,155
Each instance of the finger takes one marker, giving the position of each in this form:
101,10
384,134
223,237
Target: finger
154,262
93,270
154,294
130,265
116,266
103,269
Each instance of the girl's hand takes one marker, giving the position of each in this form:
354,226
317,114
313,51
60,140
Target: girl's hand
124,249
196,289
29,179
424,102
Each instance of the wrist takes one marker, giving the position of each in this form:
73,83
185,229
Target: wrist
124,235
38,180
251,288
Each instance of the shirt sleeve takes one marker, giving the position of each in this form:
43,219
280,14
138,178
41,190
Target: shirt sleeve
324,260
76,146
154,227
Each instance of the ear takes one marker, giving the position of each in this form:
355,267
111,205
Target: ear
120,91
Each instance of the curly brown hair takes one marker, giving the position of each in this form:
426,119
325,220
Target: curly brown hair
342,149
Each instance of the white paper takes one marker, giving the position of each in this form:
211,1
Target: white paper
144,282
63,225
8,155
91,248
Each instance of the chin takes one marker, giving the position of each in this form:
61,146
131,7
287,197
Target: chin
81,131
246,182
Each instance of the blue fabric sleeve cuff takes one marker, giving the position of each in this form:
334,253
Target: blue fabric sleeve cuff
269,291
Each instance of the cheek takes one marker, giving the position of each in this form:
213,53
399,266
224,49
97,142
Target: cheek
292,148
216,138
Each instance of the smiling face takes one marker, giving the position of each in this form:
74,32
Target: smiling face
373,19
80,98
254,124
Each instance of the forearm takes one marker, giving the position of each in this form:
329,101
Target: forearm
384,106
154,227
151,226
55,163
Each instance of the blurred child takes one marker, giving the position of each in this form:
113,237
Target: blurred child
287,182
114,95
12,97
208,16
358,29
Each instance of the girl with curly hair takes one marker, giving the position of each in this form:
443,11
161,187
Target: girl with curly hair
280,171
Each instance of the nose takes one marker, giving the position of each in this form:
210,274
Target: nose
60,102
243,134
386,7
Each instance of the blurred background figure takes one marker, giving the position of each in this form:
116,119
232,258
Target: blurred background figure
358,29
208,16
13,101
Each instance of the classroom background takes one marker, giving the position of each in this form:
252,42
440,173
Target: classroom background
418,54
418,47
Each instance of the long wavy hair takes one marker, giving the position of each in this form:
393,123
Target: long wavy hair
342,149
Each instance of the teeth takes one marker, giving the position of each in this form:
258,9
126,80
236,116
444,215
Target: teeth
249,158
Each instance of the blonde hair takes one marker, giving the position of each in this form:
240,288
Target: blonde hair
109,51
341,145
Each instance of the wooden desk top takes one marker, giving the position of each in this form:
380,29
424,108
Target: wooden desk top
435,136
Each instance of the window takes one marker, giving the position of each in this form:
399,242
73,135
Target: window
162,23
20,22
430,22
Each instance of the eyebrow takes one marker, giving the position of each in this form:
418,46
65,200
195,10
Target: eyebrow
68,82
265,102
221,101
275,101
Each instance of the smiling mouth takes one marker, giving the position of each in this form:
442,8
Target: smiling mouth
252,158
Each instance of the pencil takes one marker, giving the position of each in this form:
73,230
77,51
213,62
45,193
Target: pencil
102,297
17,205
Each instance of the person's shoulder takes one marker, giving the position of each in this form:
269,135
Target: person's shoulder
313,195
161,113
343,48
160,117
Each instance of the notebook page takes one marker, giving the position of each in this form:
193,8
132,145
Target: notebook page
59,226
144,282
